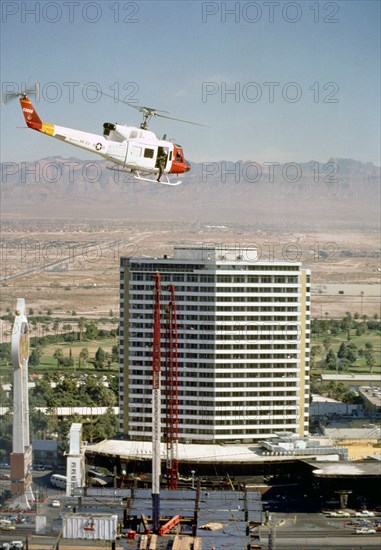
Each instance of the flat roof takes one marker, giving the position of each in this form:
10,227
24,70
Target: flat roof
346,469
200,453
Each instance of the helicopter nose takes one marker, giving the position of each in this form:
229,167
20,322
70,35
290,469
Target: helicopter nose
188,166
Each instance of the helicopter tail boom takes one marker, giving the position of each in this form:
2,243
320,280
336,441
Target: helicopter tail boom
84,140
32,119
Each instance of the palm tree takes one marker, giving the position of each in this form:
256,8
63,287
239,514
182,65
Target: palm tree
81,326
370,359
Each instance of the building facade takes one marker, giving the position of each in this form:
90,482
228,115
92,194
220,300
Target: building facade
243,344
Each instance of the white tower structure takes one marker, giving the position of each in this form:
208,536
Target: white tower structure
75,461
21,457
243,344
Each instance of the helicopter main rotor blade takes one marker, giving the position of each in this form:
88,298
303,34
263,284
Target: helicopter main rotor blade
151,111
147,110
181,120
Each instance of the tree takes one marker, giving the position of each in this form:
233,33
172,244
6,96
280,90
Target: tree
92,331
347,352
100,358
5,352
56,326
350,355
338,391
59,356
115,353
41,393
370,359
113,384
327,343
83,356
346,324
334,327
34,358
360,329
5,436
343,365
39,423
67,362
331,360
81,327
342,351
4,399
105,426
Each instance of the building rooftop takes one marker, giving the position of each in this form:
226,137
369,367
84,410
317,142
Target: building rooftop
337,469
372,394
210,454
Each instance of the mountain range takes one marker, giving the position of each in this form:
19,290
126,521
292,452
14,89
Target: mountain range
340,192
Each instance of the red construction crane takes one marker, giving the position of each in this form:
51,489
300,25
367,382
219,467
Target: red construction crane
172,391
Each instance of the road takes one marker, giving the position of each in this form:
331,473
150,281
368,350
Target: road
316,531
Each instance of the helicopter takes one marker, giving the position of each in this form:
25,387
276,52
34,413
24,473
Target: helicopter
128,148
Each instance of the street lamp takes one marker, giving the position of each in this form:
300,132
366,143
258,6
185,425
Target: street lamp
193,472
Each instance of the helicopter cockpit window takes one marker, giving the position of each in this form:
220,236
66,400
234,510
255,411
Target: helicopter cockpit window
148,153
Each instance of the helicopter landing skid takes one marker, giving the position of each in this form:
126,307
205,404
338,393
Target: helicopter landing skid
136,174
167,182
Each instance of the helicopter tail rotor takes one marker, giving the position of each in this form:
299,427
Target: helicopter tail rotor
23,93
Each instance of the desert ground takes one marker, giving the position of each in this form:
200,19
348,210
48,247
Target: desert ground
68,265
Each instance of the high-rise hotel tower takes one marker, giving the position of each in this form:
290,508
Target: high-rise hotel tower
243,344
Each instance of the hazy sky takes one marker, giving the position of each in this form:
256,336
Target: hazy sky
273,81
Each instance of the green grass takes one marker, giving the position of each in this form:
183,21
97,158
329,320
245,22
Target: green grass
359,366
49,364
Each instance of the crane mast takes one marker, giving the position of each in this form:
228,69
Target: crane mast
156,409
171,391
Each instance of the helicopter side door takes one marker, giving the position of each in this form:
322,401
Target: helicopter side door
141,155
163,152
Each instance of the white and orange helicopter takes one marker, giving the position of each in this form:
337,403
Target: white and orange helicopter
129,149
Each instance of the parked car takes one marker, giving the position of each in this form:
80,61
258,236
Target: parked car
4,465
7,527
56,503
